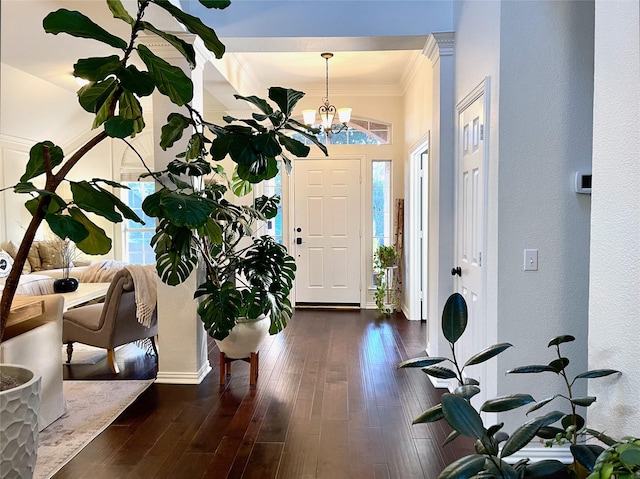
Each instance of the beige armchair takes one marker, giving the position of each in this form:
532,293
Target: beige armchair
109,324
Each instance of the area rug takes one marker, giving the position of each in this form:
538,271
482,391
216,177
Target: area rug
91,407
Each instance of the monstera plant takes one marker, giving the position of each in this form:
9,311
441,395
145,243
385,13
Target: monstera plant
112,95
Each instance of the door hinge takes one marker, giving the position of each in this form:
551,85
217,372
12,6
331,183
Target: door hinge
481,132
479,258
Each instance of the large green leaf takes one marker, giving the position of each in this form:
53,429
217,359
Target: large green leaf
573,420
130,109
597,373
119,11
176,258
466,392
586,454
506,403
525,433
561,339
97,68
37,163
487,354
267,205
262,169
195,26
118,127
219,309
173,130
78,25
421,362
534,368
91,198
185,49
584,401
464,468
119,204
294,146
66,227
439,372
187,210
97,242
213,231
432,414
454,317
135,81
462,417
239,186
261,103
93,95
629,455
285,98
170,80
559,364
220,4
266,144
544,468
542,403
105,110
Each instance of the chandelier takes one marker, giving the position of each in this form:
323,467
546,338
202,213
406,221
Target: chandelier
327,111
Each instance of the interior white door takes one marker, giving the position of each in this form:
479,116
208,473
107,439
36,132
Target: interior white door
327,231
470,216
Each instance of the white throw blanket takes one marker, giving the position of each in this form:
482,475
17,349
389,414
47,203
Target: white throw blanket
101,272
144,282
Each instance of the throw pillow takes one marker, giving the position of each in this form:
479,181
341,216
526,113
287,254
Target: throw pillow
34,257
12,249
6,261
50,254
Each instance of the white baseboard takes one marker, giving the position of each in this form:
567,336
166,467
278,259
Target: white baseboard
178,377
539,453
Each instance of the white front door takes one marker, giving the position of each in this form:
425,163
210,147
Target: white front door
327,231
470,216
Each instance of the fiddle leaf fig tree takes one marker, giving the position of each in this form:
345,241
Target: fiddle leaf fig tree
112,96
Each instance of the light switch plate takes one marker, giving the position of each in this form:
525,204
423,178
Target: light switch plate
531,260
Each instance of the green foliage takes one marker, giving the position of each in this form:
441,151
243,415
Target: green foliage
621,461
385,296
492,445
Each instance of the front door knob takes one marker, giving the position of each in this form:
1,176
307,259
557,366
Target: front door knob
457,270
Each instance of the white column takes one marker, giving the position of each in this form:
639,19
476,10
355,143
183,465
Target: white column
439,50
182,339
614,279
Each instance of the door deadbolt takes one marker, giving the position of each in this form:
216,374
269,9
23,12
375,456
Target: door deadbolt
456,271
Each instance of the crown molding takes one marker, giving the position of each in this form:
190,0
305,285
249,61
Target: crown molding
440,44
411,71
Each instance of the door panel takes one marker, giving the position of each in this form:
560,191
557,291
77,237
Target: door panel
470,224
327,223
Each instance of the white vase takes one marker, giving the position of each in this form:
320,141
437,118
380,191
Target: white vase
245,337
19,408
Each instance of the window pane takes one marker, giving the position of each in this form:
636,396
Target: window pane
137,237
381,203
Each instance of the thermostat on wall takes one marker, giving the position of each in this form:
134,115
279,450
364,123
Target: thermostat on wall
583,182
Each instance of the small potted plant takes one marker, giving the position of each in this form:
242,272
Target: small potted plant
385,261
68,253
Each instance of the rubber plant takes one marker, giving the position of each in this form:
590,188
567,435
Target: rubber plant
112,96
492,444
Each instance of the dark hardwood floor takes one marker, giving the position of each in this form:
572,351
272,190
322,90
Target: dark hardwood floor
329,403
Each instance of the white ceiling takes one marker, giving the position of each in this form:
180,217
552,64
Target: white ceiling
368,66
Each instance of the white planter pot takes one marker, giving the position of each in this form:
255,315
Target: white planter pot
19,408
245,337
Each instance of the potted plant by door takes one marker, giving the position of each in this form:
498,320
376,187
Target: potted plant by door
386,263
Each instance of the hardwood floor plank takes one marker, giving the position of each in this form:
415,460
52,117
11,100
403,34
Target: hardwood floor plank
329,403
